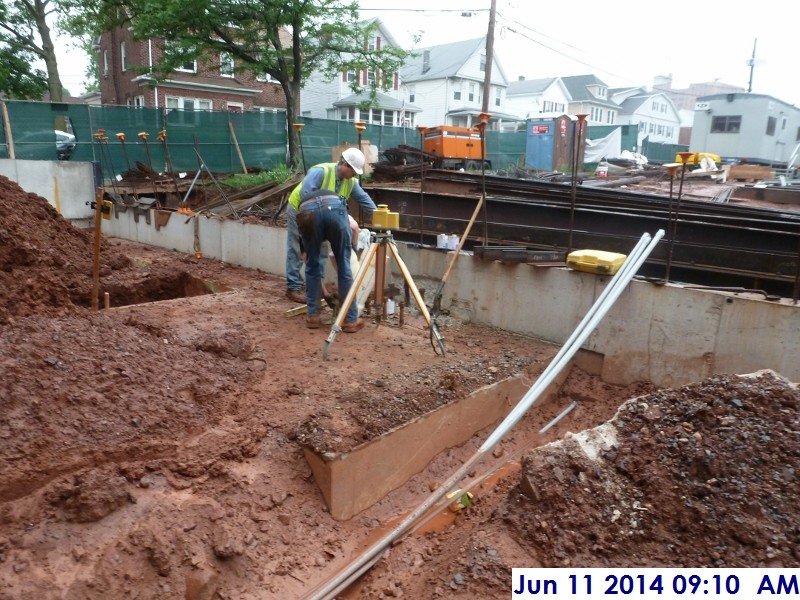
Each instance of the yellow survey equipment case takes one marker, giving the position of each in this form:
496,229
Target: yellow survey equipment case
595,261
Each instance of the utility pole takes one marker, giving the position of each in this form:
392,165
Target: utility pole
487,78
752,63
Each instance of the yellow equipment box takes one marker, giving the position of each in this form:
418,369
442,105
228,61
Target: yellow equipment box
382,218
595,261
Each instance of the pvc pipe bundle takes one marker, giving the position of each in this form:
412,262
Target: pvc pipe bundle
599,309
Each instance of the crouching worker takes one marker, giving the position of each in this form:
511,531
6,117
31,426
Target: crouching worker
323,216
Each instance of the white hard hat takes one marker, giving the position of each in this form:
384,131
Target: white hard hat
355,158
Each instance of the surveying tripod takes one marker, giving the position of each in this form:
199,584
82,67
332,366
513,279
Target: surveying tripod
381,246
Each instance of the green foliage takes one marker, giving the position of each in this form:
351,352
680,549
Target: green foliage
241,181
18,79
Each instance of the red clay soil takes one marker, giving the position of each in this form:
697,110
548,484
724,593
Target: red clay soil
153,451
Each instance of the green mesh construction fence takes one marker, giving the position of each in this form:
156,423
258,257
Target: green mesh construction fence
505,148
131,135
320,136
218,137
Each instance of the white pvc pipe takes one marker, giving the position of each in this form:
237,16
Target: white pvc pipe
579,335
598,310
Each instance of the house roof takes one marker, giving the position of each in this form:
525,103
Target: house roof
445,60
578,85
191,81
382,27
529,86
632,104
469,110
380,101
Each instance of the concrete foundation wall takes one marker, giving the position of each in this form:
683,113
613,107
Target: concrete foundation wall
68,186
666,334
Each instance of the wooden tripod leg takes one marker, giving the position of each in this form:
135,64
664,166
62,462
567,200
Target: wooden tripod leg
350,298
411,285
434,329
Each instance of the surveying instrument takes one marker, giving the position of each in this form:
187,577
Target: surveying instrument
381,247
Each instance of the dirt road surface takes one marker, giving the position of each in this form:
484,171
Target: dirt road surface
154,450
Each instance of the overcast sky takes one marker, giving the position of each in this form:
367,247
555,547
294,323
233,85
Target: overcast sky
623,43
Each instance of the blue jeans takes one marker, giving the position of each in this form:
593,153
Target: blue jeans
330,223
294,261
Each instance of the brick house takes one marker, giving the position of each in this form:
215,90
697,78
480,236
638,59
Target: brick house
212,83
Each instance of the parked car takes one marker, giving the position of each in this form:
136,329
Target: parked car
65,144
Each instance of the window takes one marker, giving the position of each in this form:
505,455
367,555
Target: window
105,63
188,67
471,96
411,93
370,77
483,63
771,122
611,117
784,119
188,104
348,114
233,107
351,75
498,94
655,105
122,58
388,117
138,101
267,78
797,137
457,94
730,124
225,64
651,128
642,126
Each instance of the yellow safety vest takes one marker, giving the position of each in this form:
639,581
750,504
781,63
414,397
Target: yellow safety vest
328,183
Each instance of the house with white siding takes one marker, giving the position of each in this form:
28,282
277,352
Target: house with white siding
589,96
537,98
653,112
326,97
446,82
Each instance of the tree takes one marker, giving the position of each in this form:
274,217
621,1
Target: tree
17,78
286,39
25,34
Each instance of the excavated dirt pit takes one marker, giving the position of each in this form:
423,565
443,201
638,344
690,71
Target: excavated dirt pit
158,450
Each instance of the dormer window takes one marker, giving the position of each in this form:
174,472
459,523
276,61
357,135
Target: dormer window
483,63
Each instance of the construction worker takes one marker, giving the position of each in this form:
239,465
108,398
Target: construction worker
323,216
338,178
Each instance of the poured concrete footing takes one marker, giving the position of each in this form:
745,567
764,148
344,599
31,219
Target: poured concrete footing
355,480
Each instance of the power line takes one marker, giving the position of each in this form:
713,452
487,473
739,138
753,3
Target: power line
511,29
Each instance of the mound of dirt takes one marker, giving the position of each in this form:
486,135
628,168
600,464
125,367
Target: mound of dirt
705,474
45,262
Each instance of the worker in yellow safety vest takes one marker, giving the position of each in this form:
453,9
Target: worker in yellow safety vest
338,178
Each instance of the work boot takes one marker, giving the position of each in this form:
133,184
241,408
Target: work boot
353,326
296,296
313,321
